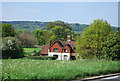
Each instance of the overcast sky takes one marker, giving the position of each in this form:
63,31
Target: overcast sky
73,12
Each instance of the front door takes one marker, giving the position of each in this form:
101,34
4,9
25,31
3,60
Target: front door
56,56
65,57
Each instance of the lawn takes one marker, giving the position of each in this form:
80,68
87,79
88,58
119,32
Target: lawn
28,51
54,69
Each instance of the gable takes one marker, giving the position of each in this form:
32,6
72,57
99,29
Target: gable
67,48
56,45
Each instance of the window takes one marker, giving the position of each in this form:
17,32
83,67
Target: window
73,48
65,50
55,49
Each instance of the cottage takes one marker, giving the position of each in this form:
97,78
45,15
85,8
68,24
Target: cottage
62,50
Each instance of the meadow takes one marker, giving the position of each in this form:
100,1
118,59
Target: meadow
28,51
56,69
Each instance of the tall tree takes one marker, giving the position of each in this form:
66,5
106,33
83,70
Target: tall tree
42,36
59,29
92,38
7,30
27,39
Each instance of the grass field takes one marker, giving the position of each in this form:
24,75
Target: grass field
28,51
54,69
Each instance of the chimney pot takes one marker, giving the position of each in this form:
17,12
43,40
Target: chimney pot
68,38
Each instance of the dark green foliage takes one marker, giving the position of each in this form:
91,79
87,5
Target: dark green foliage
60,32
32,25
115,28
42,36
41,57
111,47
51,25
78,27
57,30
35,53
7,30
11,48
29,25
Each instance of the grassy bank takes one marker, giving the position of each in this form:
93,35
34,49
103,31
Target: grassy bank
53,69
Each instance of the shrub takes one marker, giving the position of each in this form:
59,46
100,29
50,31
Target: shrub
35,53
41,57
11,48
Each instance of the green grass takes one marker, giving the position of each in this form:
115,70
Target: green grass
28,51
54,69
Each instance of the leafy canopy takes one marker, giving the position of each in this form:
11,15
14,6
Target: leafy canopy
7,30
42,36
111,47
92,38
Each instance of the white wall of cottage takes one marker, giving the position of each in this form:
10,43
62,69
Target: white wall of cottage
61,56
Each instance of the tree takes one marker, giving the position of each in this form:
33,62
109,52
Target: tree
42,36
111,47
60,32
53,38
92,38
11,48
27,39
51,25
7,30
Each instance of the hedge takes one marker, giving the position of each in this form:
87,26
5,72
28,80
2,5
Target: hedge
41,57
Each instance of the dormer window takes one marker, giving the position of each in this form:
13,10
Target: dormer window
55,49
73,48
65,50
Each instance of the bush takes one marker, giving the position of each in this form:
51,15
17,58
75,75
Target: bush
11,48
35,53
41,57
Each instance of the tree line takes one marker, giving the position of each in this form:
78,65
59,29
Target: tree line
98,40
32,25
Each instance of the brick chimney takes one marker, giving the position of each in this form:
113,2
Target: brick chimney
50,42
68,38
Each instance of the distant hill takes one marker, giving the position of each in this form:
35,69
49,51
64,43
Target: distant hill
32,25
29,25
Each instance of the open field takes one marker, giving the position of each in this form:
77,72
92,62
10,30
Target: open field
28,51
54,69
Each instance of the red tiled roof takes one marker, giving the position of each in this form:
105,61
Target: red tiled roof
46,47
71,43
